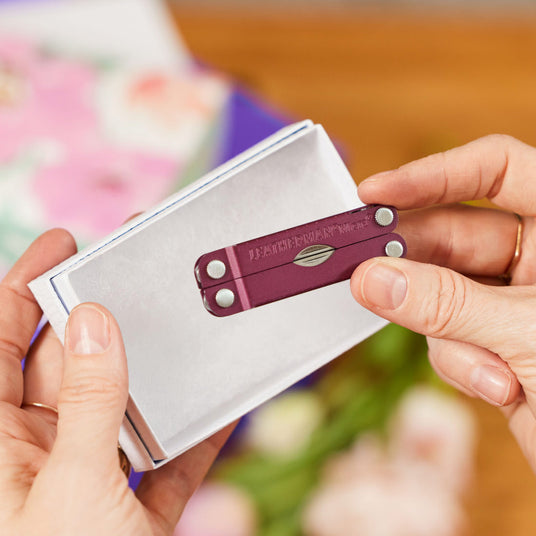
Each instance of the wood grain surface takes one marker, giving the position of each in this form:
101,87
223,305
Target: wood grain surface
392,86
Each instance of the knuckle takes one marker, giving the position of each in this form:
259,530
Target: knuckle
97,389
11,350
183,486
6,450
433,350
436,357
10,422
447,304
444,250
525,435
16,293
499,139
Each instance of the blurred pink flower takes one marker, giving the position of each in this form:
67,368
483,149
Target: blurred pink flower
96,191
165,114
218,510
84,146
16,51
168,98
408,487
436,429
54,100
391,500
12,88
368,452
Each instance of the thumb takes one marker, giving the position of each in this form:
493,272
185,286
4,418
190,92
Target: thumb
443,304
94,390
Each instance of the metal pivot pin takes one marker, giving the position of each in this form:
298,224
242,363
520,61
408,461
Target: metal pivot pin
216,269
225,298
394,249
384,216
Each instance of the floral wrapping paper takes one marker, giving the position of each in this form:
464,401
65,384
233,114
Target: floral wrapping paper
84,143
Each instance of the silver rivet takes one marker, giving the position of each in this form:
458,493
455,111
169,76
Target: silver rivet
384,216
216,269
394,249
225,298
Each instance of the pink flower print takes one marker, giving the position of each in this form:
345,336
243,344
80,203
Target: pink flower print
53,99
166,98
158,113
16,51
11,87
96,191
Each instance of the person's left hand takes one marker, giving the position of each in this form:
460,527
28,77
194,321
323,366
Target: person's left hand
60,475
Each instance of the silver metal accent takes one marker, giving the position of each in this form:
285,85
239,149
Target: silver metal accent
225,298
394,249
216,269
384,216
313,255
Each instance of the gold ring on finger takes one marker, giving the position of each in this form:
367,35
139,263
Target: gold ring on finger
507,276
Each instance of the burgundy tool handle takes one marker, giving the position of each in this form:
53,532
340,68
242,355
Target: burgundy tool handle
327,266
277,249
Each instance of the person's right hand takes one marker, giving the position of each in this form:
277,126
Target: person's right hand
482,336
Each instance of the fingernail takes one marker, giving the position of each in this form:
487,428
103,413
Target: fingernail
88,331
376,177
384,286
491,383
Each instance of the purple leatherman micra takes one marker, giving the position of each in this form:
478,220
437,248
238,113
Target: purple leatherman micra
286,263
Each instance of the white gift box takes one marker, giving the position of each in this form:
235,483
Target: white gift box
191,373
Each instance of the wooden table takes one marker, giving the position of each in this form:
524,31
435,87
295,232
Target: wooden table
393,86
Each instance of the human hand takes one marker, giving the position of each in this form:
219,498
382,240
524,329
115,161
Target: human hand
480,335
59,474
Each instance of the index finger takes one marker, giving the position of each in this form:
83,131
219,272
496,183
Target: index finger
497,167
19,312
461,237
